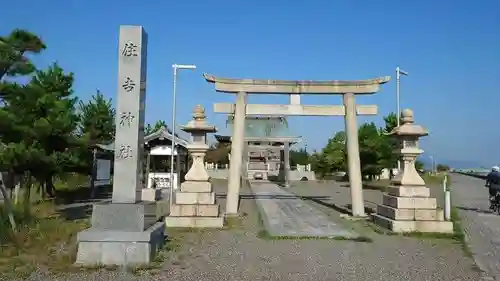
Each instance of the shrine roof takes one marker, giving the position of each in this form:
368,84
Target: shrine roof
164,133
292,140
221,138
160,133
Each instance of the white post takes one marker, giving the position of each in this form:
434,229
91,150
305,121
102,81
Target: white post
433,166
398,78
447,205
445,182
447,200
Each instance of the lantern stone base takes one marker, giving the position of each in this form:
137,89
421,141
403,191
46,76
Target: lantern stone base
201,222
413,226
189,198
410,209
195,207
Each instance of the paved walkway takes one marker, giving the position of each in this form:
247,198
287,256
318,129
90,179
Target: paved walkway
284,214
481,226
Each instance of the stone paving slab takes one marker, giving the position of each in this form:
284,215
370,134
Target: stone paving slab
285,214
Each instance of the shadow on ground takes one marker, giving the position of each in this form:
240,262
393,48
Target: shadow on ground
369,186
345,209
321,200
77,204
477,210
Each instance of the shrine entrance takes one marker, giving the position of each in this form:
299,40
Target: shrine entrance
266,147
294,88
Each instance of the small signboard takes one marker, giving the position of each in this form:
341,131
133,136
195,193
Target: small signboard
103,172
161,180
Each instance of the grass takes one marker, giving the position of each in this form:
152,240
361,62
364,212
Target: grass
44,240
459,231
383,184
264,234
436,179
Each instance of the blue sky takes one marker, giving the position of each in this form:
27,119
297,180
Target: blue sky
451,50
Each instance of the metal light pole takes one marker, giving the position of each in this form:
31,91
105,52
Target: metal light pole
399,72
432,164
175,67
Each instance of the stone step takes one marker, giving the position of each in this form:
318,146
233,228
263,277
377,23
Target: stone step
409,191
195,210
195,186
217,222
409,202
189,198
413,226
410,214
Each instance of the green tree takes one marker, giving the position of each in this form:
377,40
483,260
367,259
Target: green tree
419,165
97,119
96,126
389,144
391,122
299,157
370,150
15,156
332,157
158,125
42,119
13,50
442,168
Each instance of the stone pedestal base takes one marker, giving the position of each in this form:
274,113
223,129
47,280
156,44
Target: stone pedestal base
121,234
195,207
123,248
151,194
414,226
410,209
212,222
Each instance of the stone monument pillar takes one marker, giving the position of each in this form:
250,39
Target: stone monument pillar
194,204
125,231
408,207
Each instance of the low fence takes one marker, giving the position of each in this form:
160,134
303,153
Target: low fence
478,175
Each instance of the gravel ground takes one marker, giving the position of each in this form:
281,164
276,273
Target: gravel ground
238,254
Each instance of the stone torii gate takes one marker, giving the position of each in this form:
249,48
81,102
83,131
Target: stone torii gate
294,88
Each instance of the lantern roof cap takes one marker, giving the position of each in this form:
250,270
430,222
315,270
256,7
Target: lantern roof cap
408,127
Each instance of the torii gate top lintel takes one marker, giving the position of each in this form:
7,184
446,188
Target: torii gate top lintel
290,87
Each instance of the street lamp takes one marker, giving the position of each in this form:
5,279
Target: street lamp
433,165
399,72
175,67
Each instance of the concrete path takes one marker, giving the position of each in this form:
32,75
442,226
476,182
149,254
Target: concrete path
481,226
285,214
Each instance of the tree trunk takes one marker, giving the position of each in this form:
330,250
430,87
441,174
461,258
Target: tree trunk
49,185
27,192
8,205
17,193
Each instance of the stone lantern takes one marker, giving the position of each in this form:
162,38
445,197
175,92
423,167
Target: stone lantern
407,206
408,135
194,204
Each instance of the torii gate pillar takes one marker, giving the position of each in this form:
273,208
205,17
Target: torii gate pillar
237,149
